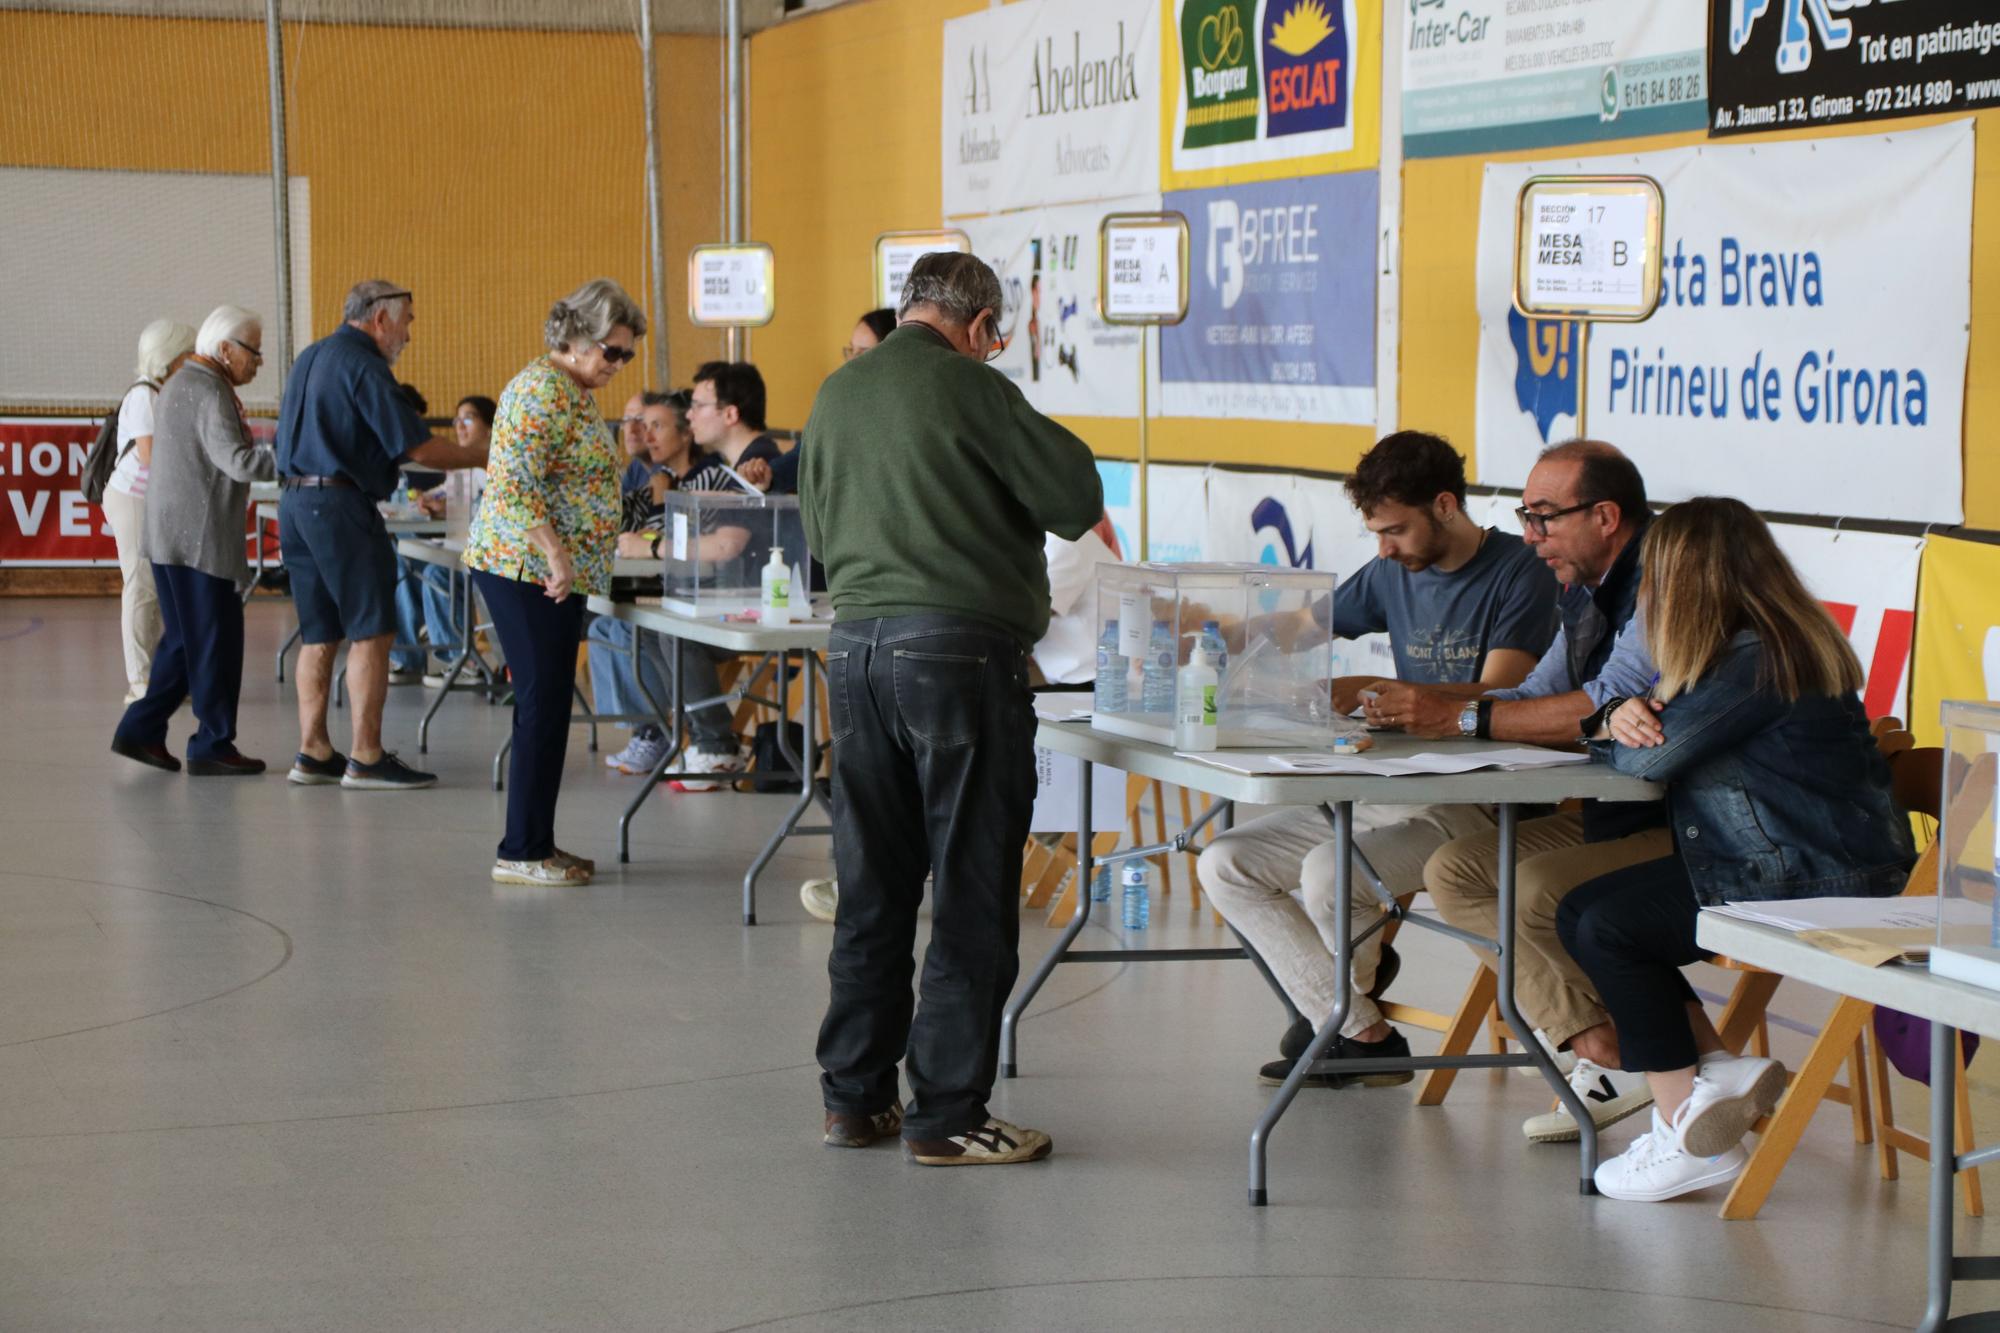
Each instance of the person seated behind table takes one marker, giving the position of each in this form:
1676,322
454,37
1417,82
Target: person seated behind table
1775,790
1584,511
630,433
1462,605
408,660
472,426
614,682
869,331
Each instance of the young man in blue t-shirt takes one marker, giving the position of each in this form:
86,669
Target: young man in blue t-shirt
1460,604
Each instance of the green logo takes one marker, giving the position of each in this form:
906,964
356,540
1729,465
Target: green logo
1607,94
1219,57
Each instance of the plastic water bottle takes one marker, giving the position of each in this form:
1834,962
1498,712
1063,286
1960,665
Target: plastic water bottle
1100,883
1138,893
1156,685
1215,646
1195,707
1109,694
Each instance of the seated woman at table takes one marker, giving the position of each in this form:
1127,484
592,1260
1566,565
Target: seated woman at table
1775,789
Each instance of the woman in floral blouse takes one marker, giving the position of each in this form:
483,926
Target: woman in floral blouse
543,540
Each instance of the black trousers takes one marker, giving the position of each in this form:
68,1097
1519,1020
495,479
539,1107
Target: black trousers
200,655
540,638
933,774
1632,931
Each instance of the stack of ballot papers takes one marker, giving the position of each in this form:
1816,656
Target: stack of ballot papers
1872,931
1298,764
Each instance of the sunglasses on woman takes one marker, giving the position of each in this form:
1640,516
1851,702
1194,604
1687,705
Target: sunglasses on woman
617,356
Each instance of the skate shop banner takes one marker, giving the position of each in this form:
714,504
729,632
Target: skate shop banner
1266,88
1958,630
1049,102
1281,302
44,519
1067,360
1782,64
1809,351
1486,75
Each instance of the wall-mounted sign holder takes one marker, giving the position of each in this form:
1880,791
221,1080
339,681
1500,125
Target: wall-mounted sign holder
1142,279
732,286
896,251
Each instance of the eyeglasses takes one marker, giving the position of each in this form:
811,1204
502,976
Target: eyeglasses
706,404
994,352
256,353
1537,520
850,351
617,356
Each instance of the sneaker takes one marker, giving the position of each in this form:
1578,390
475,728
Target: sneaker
820,897
1656,1167
1300,1034
583,863
386,774
225,766
405,675
542,874
1730,1095
995,1143
435,680
1611,1095
1395,1046
310,772
852,1129
701,761
640,756
153,756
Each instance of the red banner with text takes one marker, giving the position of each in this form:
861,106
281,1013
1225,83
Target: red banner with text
44,519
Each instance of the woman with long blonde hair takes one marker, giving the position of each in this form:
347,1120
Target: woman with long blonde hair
1775,789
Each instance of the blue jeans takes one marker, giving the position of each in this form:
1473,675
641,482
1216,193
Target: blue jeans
614,685
540,638
200,657
412,594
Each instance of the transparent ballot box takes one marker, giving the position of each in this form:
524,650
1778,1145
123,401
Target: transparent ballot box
1968,941
715,545
1252,625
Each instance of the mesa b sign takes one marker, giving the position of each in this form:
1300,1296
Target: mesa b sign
1588,247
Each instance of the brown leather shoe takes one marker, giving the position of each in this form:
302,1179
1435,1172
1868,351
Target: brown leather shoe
851,1129
153,756
225,766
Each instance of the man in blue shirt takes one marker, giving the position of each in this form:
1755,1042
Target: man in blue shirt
1464,606
344,432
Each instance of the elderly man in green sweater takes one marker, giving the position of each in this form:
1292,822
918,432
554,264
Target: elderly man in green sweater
927,483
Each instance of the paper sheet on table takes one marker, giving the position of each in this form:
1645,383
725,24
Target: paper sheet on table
1063,706
1873,946
1799,915
1364,765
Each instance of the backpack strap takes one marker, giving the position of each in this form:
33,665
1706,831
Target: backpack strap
132,443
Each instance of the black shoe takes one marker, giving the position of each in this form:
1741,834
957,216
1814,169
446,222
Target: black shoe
1300,1034
225,766
386,774
154,756
310,772
1393,1046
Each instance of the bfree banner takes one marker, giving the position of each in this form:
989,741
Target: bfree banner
1958,630
1067,360
1485,75
46,520
1809,351
1049,102
1281,302
1262,81
1178,498
1780,64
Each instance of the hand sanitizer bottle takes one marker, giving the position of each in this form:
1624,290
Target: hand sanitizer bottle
776,606
1194,716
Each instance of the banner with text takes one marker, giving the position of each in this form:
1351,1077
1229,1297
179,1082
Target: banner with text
1047,102
1868,581
1281,302
1262,81
1958,630
1067,360
1797,63
1812,329
1485,76
46,520
1177,496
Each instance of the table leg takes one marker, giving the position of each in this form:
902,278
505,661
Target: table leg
805,764
1944,1100
670,721
457,666
1010,1018
290,642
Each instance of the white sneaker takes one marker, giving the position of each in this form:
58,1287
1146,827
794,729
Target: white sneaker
553,873
1655,1167
700,761
1730,1095
820,897
1611,1095
640,755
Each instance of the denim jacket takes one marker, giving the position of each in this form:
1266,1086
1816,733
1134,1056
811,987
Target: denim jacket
1769,799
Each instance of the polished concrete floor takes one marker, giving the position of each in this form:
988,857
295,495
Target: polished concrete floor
283,1058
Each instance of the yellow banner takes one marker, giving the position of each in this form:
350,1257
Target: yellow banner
1958,630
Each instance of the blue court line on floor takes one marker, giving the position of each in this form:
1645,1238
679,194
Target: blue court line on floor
34,623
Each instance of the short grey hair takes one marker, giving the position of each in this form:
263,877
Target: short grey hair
225,323
958,285
160,344
589,313
365,298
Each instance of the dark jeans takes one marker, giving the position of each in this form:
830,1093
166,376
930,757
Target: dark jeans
1632,931
540,638
933,774
200,654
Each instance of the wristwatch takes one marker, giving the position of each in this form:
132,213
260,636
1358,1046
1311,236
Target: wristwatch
1468,719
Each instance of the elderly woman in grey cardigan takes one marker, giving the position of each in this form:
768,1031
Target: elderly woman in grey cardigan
203,463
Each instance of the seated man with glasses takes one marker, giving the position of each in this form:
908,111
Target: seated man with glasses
1584,511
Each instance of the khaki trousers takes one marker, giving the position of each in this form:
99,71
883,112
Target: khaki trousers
1551,858
138,603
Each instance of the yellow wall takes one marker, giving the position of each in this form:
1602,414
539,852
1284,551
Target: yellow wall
491,171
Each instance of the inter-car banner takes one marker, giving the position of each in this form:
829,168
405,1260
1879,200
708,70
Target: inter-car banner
1958,630
1262,81
45,519
1281,304
1869,582
1047,102
1485,75
1781,64
1067,360
1809,351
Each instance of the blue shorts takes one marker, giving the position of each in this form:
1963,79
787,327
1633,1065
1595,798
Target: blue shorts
342,563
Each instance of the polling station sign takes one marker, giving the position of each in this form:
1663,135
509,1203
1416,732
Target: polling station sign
1281,302
1782,64
1808,354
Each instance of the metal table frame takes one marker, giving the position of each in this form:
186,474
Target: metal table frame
1336,797
1950,1007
